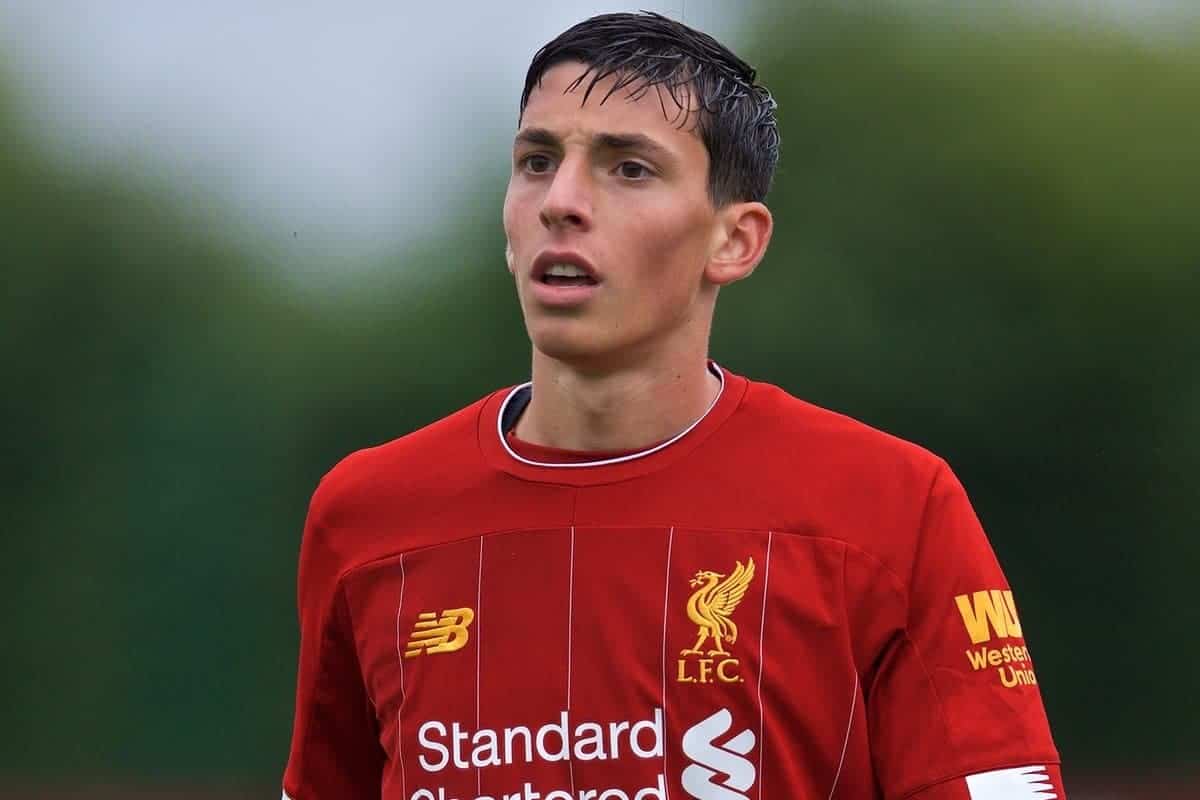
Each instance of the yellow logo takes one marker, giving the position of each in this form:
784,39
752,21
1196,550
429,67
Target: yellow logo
711,607
989,612
992,613
446,634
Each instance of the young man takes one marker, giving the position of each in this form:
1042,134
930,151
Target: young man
640,575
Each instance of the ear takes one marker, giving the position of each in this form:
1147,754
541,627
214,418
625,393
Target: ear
743,232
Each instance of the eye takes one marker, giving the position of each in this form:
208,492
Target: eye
536,164
634,170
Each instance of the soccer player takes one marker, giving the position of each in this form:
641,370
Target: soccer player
640,575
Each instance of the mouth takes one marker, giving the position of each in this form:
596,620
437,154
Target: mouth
564,281
553,279
563,269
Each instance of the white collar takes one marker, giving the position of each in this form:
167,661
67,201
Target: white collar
713,367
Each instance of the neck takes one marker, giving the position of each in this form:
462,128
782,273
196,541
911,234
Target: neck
622,409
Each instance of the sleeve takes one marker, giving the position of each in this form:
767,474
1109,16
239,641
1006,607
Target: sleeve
953,707
335,750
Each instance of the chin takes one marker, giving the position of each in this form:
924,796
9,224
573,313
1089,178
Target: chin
571,342
567,348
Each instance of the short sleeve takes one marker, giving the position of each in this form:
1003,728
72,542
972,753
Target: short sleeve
335,750
954,707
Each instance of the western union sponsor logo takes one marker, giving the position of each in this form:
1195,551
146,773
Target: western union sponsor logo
990,657
989,613
1011,662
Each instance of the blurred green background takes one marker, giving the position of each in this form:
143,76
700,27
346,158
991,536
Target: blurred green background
987,242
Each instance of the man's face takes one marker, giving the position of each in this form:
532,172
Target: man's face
619,191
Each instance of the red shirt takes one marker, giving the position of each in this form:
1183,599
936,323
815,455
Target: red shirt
781,603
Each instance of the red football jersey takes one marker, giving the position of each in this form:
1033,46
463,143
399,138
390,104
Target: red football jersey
779,603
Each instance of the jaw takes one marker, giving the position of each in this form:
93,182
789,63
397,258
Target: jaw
569,338
606,335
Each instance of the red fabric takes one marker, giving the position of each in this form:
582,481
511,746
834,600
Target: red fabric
587,589
556,455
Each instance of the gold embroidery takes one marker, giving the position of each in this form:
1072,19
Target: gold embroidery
446,634
711,607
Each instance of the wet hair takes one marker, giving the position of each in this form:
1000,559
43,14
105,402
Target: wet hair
736,116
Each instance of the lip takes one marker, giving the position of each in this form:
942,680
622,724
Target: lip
562,296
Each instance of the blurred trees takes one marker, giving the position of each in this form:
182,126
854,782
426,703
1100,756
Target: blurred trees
986,242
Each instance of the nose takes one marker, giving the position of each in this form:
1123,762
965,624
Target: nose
567,203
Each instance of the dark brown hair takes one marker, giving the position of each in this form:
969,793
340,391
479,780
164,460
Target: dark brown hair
736,116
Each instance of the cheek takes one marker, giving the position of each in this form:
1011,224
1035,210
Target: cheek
510,217
675,244
519,209
513,213
507,213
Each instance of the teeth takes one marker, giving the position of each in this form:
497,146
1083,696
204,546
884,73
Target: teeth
566,271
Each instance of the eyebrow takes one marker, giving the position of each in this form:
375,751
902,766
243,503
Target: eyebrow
537,136
602,141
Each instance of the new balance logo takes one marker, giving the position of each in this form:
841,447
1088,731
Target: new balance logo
445,634
1018,783
989,612
711,760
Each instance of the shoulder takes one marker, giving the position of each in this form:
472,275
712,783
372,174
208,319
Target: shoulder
826,474
390,498
895,503
801,433
437,457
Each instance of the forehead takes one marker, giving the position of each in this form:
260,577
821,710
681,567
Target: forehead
557,102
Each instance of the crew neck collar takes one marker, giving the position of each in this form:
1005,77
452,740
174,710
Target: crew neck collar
500,454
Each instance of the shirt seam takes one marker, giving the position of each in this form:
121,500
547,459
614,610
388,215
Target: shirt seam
908,607
349,612
939,466
901,587
328,620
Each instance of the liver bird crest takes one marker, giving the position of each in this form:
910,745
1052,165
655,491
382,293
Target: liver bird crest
711,606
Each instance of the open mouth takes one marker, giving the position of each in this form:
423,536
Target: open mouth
564,280
567,275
